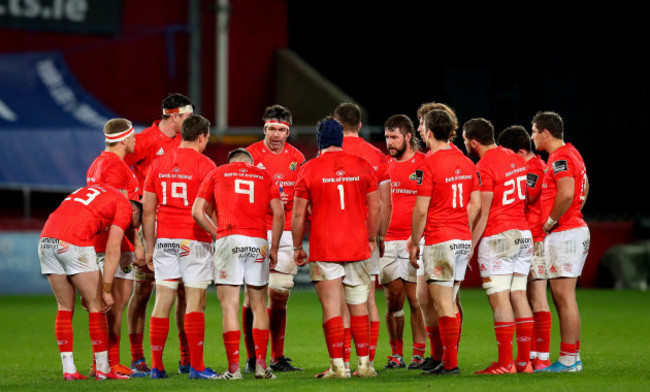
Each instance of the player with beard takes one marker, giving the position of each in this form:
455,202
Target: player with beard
396,274
282,161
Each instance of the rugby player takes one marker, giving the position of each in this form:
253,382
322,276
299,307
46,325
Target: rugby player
396,274
567,242
109,168
163,136
67,256
506,244
282,161
340,190
177,247
240,195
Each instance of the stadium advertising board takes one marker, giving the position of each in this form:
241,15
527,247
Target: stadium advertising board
64,16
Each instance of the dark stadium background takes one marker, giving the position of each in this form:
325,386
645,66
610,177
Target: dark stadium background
503,64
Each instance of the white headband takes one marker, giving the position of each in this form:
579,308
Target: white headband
276,122
179,110
118,137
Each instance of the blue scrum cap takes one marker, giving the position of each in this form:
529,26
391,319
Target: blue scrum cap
330,133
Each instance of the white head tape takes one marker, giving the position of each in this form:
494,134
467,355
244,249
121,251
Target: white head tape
118,137
276,123
179,110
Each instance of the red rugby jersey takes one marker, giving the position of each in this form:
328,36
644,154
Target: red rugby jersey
535,167
503,173
404,190
566,161
175,179
283,168
448,178
357,146
109,169
336,184
241,193
150,143
86,212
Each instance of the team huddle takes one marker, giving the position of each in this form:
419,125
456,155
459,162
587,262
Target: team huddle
156,212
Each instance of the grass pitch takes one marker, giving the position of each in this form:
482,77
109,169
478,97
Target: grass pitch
614,347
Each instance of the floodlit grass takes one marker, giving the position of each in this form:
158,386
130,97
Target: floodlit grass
615,344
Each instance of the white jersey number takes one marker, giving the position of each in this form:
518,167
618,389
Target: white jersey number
248,190
457,190
518,185
341,195
90,196
178,190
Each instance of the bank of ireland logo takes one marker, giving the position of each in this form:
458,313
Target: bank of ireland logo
185,248
293,166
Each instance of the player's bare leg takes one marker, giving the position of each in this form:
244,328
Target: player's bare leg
229,300
374,317
417,325
540,344
504,328
278,299
458,308
247,328
195,331
331,296
360,328
257,301
86,283
136,319
524,323
395,295
430,319
159,325
64,292
179,312
444,305
121,292
564,298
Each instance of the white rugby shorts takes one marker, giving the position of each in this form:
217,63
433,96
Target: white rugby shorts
373,262
506,253
567,251
354,273
126,259
239,260
175,258
396,265
285,253
539,263
62,258
446,262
